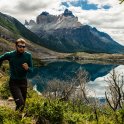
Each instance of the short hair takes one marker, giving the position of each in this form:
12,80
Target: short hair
20,40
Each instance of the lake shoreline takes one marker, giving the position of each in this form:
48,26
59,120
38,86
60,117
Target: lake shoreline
100,58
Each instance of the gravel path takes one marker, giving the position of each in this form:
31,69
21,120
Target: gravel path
8,103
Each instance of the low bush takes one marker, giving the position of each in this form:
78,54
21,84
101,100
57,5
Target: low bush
4,90
8,116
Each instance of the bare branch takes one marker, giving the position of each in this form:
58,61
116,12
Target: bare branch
115,90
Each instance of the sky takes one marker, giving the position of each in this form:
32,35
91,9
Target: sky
105,15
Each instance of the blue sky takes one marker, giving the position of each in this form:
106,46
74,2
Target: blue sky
105,15
85,5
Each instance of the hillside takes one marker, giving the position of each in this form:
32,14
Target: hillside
11,29
37,51
15,29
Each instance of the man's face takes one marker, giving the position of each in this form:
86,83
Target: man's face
20,47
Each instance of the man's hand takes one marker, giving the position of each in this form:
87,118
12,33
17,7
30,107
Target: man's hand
25,66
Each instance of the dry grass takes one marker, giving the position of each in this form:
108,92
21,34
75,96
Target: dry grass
3,78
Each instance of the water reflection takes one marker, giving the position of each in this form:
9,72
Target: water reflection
99,85
63,69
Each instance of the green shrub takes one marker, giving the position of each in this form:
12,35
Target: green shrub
4,90
8,116
33,106
53,112
26,120
120,114
73,118
43,110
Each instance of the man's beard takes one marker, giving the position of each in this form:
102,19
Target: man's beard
20,52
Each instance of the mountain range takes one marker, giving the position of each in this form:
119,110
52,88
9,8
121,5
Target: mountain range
64,33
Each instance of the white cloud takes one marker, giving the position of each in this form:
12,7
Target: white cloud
103,2
28,9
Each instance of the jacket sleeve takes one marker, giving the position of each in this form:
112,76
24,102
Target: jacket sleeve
30,64
3,57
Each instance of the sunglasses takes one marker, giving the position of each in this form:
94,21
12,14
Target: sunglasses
21,46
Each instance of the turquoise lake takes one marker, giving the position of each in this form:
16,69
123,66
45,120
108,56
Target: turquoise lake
63,70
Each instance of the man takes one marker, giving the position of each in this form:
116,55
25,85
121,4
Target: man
20,63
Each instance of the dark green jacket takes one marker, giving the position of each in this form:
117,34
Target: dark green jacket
15,61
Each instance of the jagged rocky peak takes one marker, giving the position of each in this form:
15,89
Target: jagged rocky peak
31,22
26,22
68,13
44,13
45,18
67,20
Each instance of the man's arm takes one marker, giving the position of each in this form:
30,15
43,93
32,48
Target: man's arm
3,57
28,66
